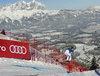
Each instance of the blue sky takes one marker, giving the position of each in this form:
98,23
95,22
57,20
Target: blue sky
60,4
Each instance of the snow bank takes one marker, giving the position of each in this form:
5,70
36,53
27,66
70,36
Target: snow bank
18,67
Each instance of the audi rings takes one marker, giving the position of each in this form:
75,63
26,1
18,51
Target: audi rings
17,49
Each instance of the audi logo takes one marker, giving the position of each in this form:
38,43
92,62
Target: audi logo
17,49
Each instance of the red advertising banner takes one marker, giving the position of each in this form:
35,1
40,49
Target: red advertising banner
14,49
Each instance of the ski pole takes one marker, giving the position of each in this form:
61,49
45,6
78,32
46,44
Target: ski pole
67,43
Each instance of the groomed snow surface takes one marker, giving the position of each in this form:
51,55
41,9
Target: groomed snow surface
18,67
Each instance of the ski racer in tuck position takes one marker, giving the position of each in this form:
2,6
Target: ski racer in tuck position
68,54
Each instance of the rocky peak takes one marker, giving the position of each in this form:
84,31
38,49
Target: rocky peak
22,5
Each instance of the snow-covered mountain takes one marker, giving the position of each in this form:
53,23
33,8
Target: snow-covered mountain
27,15
22,5
22,9
95,8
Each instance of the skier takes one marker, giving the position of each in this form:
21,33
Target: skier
68,54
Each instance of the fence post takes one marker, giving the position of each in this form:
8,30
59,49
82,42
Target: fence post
10,35
23,37
26,39
34,48
45,52
37,51
51,54
56,55
47,49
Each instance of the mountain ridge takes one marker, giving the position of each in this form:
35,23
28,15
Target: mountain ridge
22,5
30,14
22,9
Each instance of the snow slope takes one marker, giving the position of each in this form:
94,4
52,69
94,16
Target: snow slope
12,67
18,67
82,52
